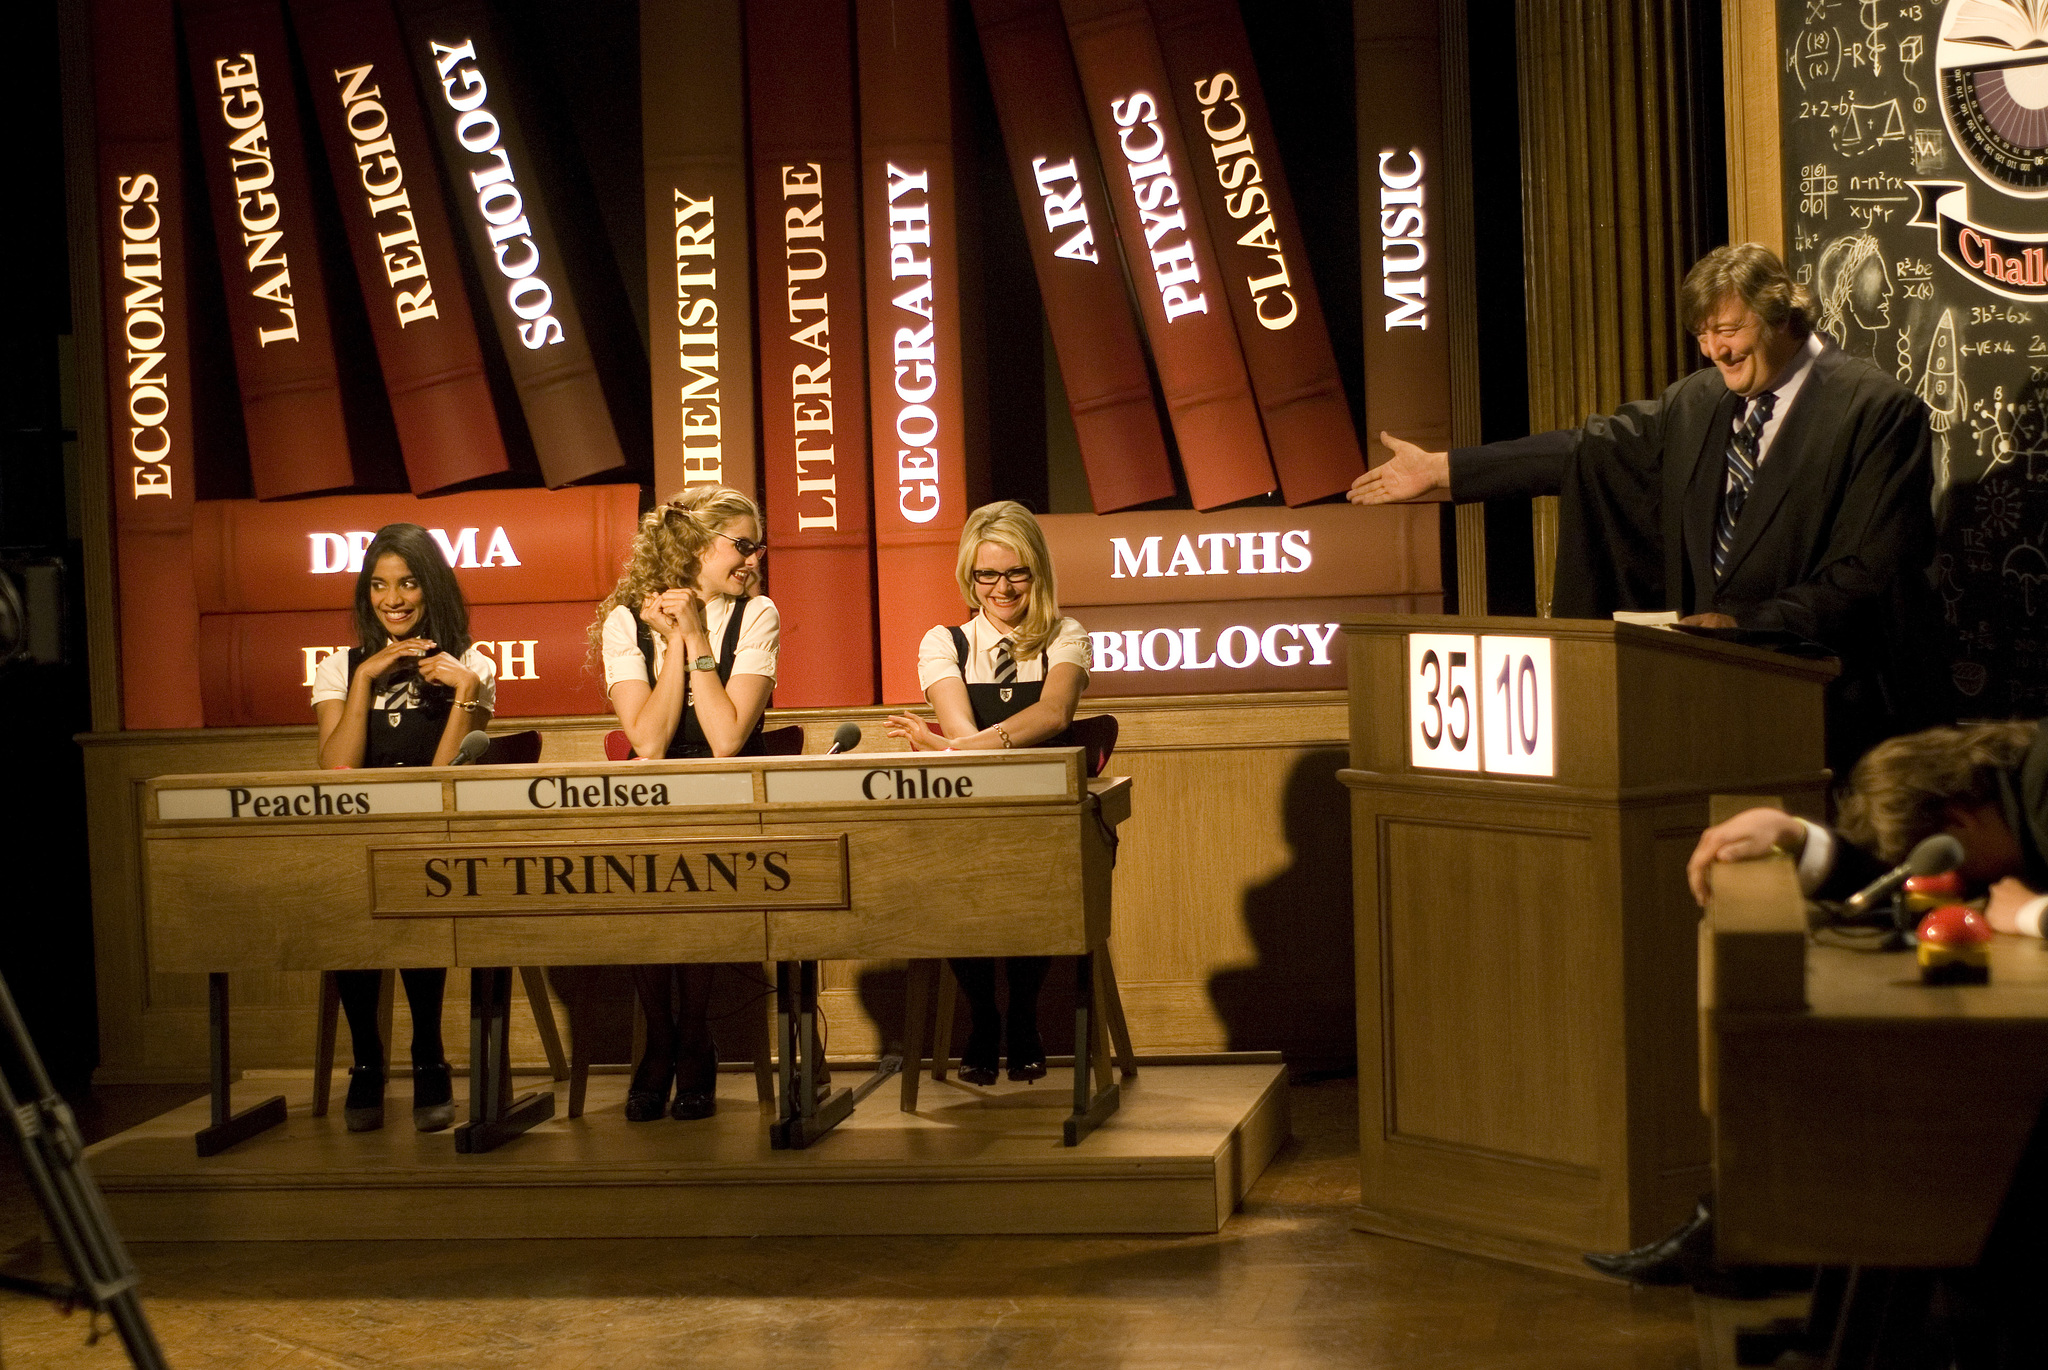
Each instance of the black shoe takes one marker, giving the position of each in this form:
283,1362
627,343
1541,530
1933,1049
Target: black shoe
364,1109
647,1096
433,1097
1685,1255
1027,1053
979,1064
696,1090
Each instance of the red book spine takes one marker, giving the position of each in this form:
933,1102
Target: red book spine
381,156
814,410
917,409
259,667
1266,274
699,317
1400,148
507,546
1074,251
510,227
1179,283
141,207
254,153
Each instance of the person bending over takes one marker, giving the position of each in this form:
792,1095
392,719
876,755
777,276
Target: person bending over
689,660
1010,677
406,695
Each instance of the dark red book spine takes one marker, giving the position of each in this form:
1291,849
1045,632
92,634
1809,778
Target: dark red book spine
1400,150
1173,263
916,395
381,155
140,185
1074,251
259,667
254,152
472,100
507,546
699,295
1266,274
814,402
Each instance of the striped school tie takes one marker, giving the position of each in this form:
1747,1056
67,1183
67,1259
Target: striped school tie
1742,463
1006,665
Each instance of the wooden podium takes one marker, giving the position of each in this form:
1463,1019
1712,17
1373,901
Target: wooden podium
1524,794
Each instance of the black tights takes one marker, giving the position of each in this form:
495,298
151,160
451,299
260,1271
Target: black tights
673,1000
977,977
423,991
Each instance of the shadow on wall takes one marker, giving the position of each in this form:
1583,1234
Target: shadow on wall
1299,998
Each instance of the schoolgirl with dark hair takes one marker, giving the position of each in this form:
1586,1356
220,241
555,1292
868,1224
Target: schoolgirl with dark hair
406,695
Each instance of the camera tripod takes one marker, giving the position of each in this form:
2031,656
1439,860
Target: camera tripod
53,1157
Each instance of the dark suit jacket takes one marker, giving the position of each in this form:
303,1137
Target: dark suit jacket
1832,546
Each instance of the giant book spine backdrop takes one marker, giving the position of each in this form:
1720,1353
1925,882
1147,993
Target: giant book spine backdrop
814,403
141,203
915,385
1173,263
1400,148
699,298
470,89
1074,251
1244,196
266,230
276,581
380,153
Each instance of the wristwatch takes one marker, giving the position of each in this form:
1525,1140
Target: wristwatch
704,663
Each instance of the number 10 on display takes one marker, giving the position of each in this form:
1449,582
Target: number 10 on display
1480,703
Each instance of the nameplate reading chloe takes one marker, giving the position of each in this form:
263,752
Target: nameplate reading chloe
626,789
919,782
269,803
688,875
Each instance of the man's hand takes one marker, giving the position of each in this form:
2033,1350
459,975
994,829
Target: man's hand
1411,474
1709,621
1745,837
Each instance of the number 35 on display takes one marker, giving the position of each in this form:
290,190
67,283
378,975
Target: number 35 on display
1480,703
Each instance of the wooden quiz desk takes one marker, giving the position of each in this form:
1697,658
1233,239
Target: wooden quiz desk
785,859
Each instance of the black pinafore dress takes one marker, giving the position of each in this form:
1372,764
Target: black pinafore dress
689,740
406,735
993,704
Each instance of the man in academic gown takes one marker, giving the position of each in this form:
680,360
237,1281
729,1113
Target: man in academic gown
1785,490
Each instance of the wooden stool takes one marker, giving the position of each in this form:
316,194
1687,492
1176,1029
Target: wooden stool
759,1034
530,977
930,980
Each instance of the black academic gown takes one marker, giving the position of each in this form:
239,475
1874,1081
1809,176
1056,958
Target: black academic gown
1833,544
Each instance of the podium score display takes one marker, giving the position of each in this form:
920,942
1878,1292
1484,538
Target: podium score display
1481,703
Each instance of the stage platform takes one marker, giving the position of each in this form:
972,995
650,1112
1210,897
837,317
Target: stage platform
1178,1157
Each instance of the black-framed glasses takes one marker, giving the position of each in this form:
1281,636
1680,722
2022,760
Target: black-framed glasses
746,546
1016,575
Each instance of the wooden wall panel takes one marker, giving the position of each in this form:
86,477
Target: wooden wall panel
1233,905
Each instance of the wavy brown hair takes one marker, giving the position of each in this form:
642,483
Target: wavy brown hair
1009,524
669,548
1901,789
1753,274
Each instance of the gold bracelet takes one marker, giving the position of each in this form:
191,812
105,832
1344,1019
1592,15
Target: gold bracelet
1007,744
469,704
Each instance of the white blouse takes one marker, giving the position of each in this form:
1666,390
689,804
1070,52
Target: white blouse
937,659
760,639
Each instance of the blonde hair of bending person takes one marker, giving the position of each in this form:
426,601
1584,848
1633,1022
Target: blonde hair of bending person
1009,524
670,546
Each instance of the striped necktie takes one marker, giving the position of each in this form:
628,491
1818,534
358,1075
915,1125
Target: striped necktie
1742,464
1006,665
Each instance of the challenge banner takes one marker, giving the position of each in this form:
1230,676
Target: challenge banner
2014,265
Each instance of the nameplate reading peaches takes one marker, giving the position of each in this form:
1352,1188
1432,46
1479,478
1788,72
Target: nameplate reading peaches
669,876
918,779
352,797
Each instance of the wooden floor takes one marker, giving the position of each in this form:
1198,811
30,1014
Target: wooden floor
1177,1157
1285,1284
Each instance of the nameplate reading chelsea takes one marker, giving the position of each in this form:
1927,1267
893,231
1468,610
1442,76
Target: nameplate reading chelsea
655,876
1480,703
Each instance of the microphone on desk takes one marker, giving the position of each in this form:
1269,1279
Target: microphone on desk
473,746
1933,856
845,739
